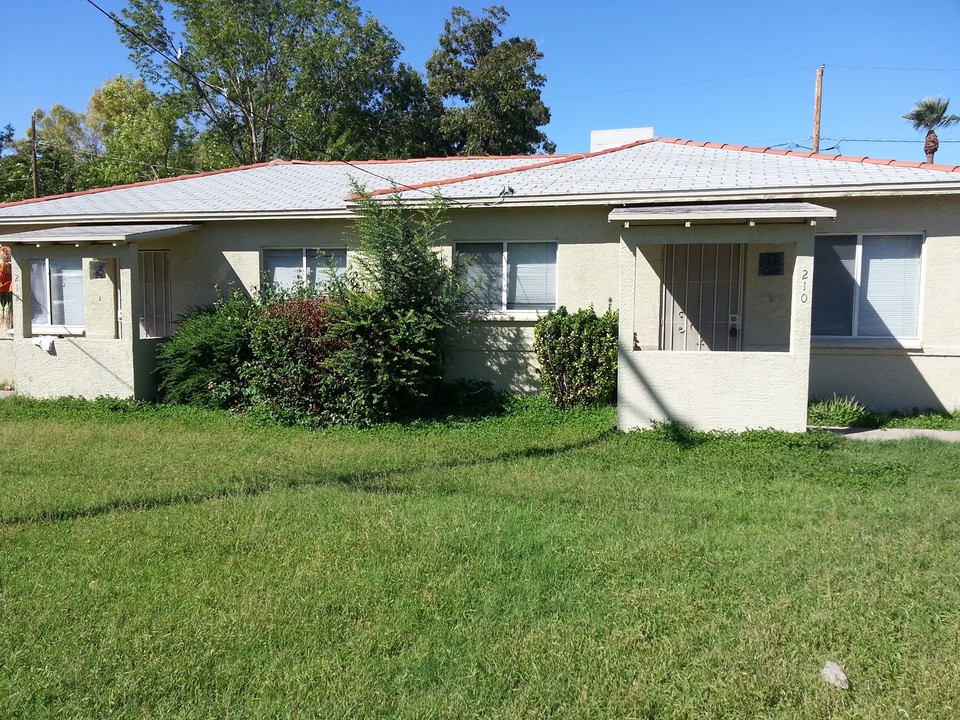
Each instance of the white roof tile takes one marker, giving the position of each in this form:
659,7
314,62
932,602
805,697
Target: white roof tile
672,167
272,188
642,169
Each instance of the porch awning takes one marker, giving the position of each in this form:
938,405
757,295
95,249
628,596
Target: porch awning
94,234
721,213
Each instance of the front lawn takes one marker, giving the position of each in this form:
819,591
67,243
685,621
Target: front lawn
170,563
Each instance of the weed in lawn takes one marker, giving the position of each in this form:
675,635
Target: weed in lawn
840,412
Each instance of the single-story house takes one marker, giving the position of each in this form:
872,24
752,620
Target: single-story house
747,279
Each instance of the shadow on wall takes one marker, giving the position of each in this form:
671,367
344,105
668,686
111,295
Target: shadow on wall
627,402
885,380
497,352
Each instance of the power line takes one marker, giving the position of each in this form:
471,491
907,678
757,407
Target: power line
221,93
898,69
876,140
112,158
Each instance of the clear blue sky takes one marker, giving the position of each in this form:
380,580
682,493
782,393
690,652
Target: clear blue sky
736,72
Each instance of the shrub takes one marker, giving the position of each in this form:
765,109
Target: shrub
392,312
840,412
370,352
290,344
578,356
200,365
386,363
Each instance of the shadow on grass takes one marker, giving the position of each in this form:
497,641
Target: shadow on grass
681,435
383,482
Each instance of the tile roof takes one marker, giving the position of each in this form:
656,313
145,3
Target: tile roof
676,166
275,187
645,169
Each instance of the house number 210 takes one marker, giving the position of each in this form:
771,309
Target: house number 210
804,275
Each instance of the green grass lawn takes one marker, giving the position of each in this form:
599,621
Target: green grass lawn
168,563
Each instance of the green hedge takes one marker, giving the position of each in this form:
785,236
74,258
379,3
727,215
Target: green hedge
578,356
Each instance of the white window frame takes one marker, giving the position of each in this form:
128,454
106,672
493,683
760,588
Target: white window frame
49,327
304,255
459,247
855,337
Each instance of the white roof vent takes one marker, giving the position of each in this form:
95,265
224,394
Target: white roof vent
606,139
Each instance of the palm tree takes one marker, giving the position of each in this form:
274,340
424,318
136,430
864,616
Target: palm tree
931,113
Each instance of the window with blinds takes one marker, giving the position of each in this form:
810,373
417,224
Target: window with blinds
291,267
867,286
518,276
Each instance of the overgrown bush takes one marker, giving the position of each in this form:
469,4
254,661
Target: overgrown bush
385,365
287,373
578,356
200,365
392,312
369,352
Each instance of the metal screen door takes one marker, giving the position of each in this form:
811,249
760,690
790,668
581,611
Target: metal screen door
702,295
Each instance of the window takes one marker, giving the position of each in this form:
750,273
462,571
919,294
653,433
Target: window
155,313
511,276
309,266
56,293
867,286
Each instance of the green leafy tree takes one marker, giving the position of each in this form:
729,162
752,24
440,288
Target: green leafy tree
65,147
253,70
929,114
142,135
490,89
14,177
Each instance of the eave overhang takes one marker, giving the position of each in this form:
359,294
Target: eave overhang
95,234
731,213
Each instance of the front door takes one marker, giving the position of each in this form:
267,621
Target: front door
702,296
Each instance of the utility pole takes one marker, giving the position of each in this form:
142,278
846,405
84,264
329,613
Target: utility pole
33,154
816,109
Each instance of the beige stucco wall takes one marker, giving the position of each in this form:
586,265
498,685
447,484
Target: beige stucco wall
99,362
218,256
590,271
925,374
78,366
717,390
7,359
499,349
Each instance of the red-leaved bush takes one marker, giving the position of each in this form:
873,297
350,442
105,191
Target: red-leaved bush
291,344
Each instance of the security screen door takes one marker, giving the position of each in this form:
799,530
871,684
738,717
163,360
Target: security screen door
702,296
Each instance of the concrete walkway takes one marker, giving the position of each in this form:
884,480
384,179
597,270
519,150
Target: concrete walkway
894,433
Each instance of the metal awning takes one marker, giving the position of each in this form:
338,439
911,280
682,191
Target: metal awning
721,213
95,234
